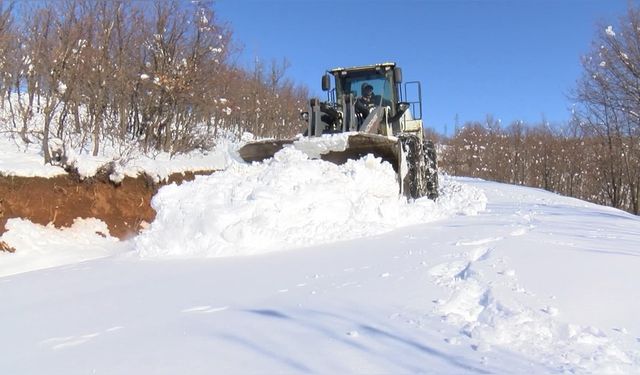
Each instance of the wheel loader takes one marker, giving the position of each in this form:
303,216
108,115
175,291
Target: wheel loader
370,106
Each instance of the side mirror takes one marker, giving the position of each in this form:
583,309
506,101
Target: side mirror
326,82
397,75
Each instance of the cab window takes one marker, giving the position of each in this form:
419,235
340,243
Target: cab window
379,83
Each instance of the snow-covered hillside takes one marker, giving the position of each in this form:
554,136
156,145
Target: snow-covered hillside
338,275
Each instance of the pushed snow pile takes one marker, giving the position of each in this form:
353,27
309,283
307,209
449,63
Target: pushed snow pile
290,201
37,247
316,146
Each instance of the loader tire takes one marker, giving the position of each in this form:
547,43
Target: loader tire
431,170
420,171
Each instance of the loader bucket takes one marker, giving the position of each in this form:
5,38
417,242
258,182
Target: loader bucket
413,162
361,144
357,146
262,150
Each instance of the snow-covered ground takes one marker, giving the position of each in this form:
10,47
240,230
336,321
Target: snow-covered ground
25,159
336,275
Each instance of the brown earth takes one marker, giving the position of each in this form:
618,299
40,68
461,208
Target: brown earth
124,207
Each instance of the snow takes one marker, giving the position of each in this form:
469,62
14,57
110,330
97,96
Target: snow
609,31
504,289
316,146
41,247
300,266
21,159
289,201
25,159
62,88
159,167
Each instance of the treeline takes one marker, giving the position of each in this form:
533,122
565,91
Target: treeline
154,74
563,159
596,157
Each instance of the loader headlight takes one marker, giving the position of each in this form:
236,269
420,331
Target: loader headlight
304,116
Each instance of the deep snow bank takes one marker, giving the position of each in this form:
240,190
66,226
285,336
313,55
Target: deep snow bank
290,201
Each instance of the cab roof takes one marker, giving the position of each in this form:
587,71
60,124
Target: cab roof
384,65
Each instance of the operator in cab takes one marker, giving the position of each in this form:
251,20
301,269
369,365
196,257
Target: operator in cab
366,101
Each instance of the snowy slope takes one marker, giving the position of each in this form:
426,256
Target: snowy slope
534,283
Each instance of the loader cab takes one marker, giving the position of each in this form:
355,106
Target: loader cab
391,112
350,81
382,91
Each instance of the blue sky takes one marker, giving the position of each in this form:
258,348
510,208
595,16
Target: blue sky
515,60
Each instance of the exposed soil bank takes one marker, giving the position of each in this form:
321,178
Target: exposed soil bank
124,207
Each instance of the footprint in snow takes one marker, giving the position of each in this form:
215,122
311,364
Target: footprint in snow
481,253
452,341
621,330
482,241
519,232
204,309
552,311
481,347
57,343
448,270
509,273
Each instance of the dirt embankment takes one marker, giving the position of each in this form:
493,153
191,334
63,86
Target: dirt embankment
124,207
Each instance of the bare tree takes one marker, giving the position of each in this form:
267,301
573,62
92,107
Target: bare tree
609,108
123,73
